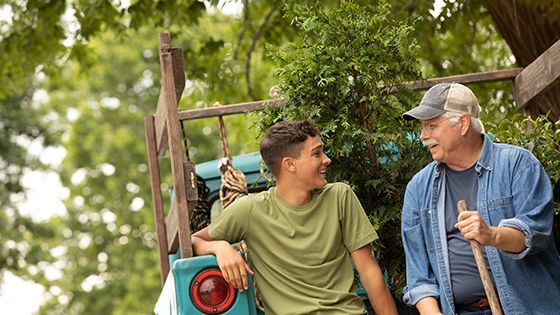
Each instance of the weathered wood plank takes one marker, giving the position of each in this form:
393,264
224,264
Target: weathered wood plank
415,86
172,227
160,124
227,110
470,78
161,118
538,76
178,72
175,146
155,179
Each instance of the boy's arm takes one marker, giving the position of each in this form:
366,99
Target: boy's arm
372,281
231,263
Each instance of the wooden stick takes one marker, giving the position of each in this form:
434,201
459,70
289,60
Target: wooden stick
482,269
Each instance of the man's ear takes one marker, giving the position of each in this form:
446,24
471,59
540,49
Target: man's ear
288,164
465,123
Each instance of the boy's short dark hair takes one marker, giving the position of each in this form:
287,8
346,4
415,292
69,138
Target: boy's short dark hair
285,139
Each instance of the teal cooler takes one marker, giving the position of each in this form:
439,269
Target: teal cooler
187,275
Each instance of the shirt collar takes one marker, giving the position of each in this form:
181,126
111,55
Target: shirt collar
486,156
484,161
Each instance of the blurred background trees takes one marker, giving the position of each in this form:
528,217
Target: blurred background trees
80,75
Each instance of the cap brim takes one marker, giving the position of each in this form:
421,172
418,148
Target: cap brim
422,112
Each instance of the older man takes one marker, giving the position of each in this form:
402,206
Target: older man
511,202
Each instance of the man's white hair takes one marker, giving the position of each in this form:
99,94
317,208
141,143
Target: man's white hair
453,119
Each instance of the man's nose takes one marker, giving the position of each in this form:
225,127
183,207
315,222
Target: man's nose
424,134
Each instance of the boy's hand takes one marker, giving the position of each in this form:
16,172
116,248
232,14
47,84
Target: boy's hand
233,266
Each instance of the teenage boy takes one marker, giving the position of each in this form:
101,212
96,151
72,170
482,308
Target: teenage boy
303,234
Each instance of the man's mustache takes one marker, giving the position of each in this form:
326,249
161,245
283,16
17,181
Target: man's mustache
430,142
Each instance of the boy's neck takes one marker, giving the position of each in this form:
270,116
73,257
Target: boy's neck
293,195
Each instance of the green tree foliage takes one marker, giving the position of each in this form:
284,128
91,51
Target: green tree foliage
335,77
340,76
100,71
81,70
104,247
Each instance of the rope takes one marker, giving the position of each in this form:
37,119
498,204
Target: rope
234,185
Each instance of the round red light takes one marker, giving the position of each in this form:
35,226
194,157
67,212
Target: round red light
211,293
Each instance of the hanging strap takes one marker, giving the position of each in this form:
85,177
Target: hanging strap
234,185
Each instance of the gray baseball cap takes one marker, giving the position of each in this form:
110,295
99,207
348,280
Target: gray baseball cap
445,97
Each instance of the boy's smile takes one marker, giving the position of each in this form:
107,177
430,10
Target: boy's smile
311,165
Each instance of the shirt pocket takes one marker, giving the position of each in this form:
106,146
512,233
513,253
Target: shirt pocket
500,208
426,223
418,227
416,217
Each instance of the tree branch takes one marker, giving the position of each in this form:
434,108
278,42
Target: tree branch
256,38
246,24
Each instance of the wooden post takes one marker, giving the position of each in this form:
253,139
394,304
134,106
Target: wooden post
482,269
159,216
179,206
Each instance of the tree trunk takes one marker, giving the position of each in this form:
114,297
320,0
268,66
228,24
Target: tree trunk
528,34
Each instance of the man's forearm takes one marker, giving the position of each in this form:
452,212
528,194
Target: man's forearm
428,306
508,239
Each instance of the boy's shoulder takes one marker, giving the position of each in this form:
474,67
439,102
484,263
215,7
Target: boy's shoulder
336,187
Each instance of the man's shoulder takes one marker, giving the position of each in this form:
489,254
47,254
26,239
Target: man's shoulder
509,152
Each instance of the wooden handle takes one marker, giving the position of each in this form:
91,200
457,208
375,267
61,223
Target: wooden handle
482,269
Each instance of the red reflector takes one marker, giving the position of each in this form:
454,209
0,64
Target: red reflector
211,293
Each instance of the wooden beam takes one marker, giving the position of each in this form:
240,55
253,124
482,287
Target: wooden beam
172,226
538,76
160,125
161,109
227,110
155,179
178,71
465,79
175,146
470,78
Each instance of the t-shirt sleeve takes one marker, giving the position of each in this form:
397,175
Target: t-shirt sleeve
357,230
231,224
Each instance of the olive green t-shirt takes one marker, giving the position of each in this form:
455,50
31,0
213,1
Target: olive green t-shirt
300,254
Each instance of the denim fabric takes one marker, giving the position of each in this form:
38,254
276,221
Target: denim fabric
514,191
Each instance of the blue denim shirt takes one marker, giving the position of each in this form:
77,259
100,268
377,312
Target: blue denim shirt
513,191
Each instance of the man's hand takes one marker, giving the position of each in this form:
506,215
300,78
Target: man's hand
473,227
